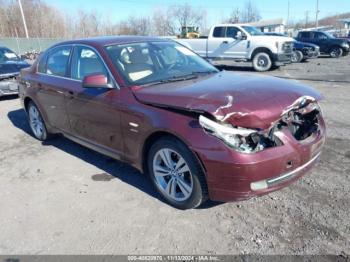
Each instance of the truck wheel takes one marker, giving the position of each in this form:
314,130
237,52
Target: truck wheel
336,52
262,62
297,56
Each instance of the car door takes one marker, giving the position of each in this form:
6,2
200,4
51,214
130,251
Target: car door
306,37
51,83
94,113
225,43
321,40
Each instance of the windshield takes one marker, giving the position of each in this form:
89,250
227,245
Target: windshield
153,62
7,55
252,30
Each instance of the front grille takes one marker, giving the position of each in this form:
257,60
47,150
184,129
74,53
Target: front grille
287,47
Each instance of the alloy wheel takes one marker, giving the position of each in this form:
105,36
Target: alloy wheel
36,122
172,174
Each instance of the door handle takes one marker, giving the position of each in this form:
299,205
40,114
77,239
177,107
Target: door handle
225,42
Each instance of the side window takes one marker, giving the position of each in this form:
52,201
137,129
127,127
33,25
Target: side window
305,35
57,61
136,61
219,31
320,36
42,64
232,32
86,62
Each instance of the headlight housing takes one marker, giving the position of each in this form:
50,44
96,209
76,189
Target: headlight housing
240,139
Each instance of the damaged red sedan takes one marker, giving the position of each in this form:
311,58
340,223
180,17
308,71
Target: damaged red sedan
199,133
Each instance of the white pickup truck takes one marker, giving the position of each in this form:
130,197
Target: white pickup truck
239,42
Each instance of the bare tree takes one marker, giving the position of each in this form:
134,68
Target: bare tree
134,26
185,15
235,16
162,23
44,20
250,13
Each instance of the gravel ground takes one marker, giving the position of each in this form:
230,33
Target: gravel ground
61,198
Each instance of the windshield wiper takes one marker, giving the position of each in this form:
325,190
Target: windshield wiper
173,79
192,75
204,72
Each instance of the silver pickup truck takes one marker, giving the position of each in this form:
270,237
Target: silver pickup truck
240,42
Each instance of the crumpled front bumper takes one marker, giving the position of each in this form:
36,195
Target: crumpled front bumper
8,87
235,176
309,53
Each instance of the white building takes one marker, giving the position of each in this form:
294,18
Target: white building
346,23
271,25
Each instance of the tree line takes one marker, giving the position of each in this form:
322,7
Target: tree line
44,20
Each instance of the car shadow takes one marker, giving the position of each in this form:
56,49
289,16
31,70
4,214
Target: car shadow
112,169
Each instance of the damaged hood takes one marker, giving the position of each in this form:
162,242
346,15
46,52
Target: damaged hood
243,100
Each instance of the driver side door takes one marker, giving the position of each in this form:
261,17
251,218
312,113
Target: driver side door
226,43
94,113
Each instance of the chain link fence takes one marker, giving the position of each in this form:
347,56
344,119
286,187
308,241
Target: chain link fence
23,45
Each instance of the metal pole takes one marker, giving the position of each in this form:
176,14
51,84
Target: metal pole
288,13
317,11
23,19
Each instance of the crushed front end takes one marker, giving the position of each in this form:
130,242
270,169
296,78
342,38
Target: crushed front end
256,162
8,84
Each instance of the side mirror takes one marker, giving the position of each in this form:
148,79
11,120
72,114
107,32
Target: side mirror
95,81
240,36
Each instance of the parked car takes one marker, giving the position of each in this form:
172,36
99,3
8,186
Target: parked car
199,133
301,51
234,42
335,47
10,65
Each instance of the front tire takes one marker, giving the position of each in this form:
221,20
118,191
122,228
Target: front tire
262,62
177,174
36,122
297,56
336,52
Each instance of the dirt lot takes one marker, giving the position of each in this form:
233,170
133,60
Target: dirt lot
60,198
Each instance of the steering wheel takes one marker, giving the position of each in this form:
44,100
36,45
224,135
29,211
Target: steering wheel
180,61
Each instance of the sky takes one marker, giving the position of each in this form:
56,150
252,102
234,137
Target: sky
217,10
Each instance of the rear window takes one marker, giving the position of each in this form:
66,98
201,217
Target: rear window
219,31
42,64
57,61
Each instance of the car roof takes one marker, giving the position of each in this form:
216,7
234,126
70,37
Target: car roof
111,40
233,24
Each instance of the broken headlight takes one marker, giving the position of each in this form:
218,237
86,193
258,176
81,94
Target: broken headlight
240,139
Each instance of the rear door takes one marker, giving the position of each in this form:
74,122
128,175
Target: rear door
51,82
224,43
94,113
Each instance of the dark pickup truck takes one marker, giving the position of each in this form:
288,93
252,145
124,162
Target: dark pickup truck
10,65
335,47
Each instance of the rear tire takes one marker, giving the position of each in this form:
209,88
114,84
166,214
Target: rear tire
297,56
336,52
262,62
36,123
176,174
